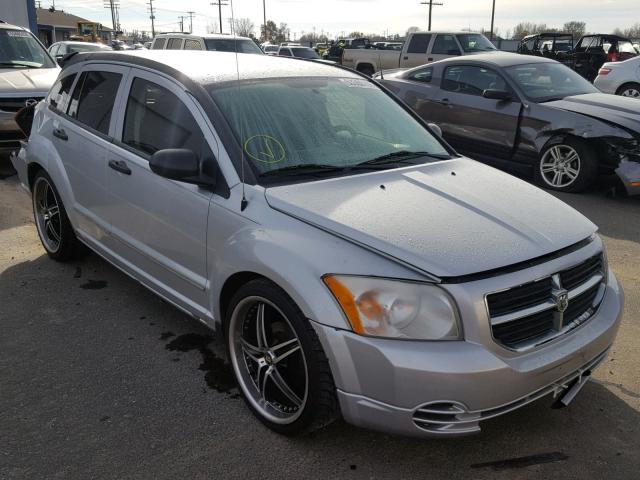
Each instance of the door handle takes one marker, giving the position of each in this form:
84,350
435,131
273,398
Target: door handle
444,101
429,59
60,133
120,166
406,58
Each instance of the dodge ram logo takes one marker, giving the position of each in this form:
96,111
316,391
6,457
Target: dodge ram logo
562,300
30,102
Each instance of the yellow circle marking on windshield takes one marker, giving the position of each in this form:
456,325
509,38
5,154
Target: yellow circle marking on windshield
264,149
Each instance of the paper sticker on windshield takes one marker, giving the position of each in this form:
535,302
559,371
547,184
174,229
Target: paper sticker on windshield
17,33
358,83
264,149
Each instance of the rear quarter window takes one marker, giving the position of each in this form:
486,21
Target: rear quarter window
419,43
192,45
174,44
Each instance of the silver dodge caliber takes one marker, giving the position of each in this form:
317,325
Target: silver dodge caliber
352,261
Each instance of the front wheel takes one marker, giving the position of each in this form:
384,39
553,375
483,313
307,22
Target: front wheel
631,90
281,369
569,166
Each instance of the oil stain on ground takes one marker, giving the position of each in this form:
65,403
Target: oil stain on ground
522,462
94,285
218,374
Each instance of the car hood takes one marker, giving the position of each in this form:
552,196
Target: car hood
21,82
447,219
615,109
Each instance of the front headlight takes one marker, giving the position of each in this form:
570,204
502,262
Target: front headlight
395,309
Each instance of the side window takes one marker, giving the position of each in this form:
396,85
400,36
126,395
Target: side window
423,75
471,80
60,92
159,44
419,43
445,45
174,44
93,97
192,45
156,119
284,52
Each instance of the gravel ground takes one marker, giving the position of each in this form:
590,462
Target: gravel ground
101,379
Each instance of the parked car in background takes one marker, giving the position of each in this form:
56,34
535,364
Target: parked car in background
211,42
298,52
59,49
320,48
420,48
592,51
335,50
27,71
620,78
439,292
555,45
271,49
531,115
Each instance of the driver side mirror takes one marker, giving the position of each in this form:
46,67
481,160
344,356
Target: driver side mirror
178,164
494,94
436,129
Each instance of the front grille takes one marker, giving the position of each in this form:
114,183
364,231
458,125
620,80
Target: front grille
15,104
528,314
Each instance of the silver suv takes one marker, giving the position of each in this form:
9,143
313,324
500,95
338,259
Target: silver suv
27,72
351,260
211,42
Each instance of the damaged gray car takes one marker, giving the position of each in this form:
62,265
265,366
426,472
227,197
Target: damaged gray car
533,116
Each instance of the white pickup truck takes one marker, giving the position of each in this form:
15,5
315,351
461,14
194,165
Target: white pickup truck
420,48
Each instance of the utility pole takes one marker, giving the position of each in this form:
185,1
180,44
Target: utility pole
152,17
431,3
219,4
493,15
182,17
264,15
112,5
191,21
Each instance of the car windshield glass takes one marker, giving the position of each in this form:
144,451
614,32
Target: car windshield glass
474,42
328,125
18,49
542,82
304,53
86,47
229,45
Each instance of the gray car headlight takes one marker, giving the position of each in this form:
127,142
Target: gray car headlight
395,309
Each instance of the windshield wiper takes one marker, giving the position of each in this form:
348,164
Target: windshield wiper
303,169
402,156
12,64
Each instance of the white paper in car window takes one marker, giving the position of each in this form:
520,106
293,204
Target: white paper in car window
357,83
17,33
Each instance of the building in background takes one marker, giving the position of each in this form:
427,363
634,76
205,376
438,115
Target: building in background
58,25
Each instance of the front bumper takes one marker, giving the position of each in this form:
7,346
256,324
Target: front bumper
447,388
629,174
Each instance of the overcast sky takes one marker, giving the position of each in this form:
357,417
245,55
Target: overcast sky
370,16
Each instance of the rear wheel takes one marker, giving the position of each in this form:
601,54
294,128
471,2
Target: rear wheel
569,166
631,90
54,229
277,359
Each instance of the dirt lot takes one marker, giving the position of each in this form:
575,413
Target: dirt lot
101,379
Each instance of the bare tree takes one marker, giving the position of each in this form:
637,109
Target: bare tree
244,27
411,30
575,28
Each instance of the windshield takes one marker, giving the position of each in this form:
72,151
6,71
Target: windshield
86,47
304,53
229,45
334,123
18,49
542,82
474,42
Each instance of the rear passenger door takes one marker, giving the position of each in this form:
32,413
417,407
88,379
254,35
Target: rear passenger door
445,45
471,122
158,225
416,52
81,134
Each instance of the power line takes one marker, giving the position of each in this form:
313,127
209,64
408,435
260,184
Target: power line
431,3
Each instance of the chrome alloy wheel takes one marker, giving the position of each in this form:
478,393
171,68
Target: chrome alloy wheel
631,92
560,166
268,360
47,214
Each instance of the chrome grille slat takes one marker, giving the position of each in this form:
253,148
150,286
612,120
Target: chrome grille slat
527,315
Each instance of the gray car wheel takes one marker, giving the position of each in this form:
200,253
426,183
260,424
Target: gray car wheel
277,360
631,90
567,166
54,229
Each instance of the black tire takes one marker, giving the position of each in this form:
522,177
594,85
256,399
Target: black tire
68,247
631,86
367,70
587,162
321,406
